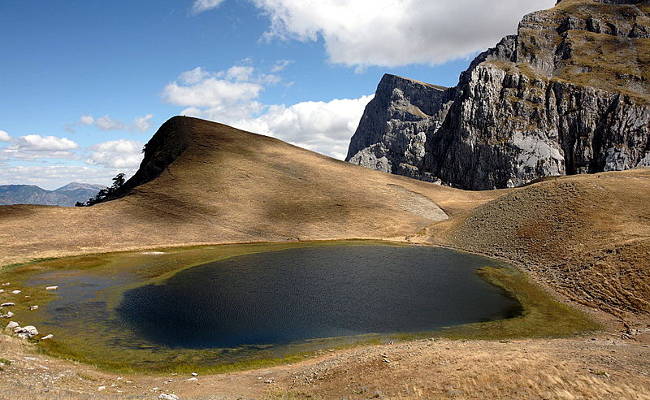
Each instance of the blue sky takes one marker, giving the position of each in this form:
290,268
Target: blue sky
84,84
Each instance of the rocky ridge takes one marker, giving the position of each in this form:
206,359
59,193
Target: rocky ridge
568,94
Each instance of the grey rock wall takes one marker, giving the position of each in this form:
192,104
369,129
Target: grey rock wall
395,125
536,105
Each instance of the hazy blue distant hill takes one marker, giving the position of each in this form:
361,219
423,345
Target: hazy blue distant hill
66,195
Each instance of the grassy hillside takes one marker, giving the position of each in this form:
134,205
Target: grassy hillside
586,236
232,186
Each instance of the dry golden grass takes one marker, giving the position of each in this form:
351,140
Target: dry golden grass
604,368
474,370
614,63
585,237
233,186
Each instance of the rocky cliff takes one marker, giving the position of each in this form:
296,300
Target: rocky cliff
568,94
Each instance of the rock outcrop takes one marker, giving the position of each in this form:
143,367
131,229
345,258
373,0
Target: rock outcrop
568,94
393,130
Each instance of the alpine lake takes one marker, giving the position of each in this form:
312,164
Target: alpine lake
228,307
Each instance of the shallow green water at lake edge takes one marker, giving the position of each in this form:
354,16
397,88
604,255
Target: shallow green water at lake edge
107,345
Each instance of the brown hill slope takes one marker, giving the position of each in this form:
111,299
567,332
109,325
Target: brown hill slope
587,236
230,186
202,182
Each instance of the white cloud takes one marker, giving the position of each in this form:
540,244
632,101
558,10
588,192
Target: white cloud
117,154
269,79
231,97
397,32
193,76
31,147
210,92
222,96
240,73
200,6
143,124
103,161
324,127
106,123
281,65
87,120
226,113
4,136
45,143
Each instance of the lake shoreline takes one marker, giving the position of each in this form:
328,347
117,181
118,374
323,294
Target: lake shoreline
515,328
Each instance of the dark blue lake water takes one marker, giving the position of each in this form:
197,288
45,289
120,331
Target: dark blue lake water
305,293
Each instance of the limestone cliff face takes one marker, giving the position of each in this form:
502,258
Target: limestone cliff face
393,130
568,94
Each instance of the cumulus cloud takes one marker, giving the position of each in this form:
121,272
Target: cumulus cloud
281,65
87,120
200,6
117,154
397,32
45,143
210,92
143,124
324,127
226,113
222,96
231,97
97,164
240,73
106,123
4,136
32,147
193,76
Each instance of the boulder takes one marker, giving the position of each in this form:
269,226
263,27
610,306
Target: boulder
12,325
26,332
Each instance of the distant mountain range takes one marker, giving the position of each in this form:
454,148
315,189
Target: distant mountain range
66,195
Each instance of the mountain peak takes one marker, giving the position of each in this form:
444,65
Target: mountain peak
66,195
390,79
79,186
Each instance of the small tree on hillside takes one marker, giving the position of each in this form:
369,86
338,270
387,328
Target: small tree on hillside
118,181
106,193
